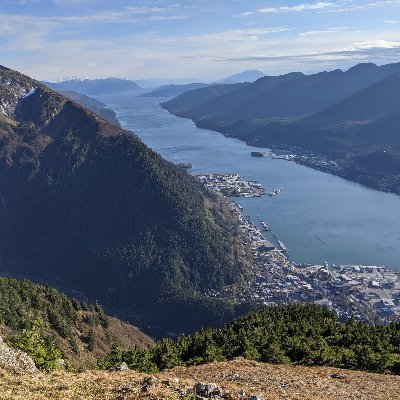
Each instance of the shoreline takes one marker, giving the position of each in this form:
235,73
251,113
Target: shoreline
319,162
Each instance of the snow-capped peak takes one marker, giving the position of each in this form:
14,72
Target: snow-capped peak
71,78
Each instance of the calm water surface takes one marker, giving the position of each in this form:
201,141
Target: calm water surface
318,216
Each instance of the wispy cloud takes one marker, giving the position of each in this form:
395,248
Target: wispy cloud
297,8
323,31
168,17
358,51
322,6
244,14
75,2
151,10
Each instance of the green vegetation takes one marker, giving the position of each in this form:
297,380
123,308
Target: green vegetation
49,326
23,303
44,353
297,334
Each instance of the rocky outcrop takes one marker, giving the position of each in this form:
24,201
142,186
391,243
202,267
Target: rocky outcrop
15,360
12,90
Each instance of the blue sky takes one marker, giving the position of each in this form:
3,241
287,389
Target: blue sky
51,39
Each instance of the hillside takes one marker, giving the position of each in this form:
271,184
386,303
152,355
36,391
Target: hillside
94,105
173,90
87,206
289,334
249,75
287,96
237,379
82,332
94,86
240,98
345,125
194,98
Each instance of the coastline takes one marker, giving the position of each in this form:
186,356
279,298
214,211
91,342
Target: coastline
321,162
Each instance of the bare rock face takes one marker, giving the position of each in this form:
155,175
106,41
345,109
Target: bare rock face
15,360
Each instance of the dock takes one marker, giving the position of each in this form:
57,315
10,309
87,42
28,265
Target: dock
282,246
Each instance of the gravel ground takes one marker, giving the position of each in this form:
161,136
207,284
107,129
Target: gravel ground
238,379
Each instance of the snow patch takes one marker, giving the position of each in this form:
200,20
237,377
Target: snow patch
33,90
71,78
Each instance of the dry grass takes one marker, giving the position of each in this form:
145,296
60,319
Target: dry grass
271,382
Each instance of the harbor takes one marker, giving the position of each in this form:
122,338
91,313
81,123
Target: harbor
368,293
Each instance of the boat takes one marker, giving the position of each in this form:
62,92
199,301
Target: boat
257,154
275,192
265,225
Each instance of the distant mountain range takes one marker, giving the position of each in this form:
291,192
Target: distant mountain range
94,86
349,117
176,90
88,86
87,206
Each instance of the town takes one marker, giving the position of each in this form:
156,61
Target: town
232,185
368,293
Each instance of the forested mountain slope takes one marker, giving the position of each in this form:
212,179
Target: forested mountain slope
87,206
41,317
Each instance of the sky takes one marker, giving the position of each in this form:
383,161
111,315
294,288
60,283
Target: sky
203,39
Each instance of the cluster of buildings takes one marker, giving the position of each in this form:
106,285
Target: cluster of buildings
232,185
370,293
304,157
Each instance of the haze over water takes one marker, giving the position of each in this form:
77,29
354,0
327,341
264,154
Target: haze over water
318,216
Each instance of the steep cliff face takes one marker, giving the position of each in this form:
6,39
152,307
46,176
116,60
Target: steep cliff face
88,206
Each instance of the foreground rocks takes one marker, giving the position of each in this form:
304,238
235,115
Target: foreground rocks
234,380
14,360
